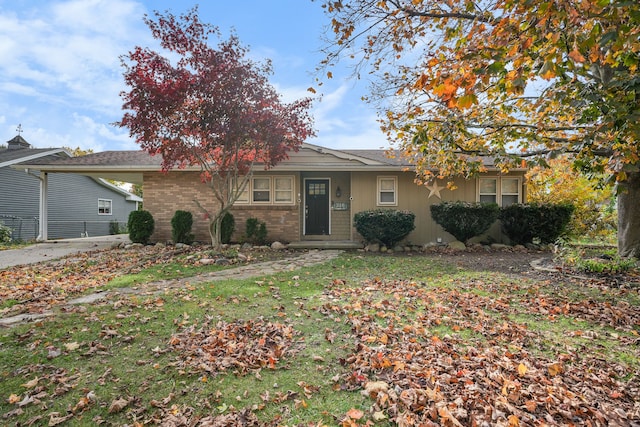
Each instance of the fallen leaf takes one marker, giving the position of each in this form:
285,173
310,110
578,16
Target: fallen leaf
118,405
31,384
355,414
72,346
522,369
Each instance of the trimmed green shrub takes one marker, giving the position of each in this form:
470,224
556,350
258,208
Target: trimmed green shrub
524,222
256,231
464,220
116,228
385,226
5,234
227,227
181,224
141,225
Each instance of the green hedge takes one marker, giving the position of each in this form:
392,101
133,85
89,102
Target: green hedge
227,227
386,226
181,225
464,220
141,225
524,222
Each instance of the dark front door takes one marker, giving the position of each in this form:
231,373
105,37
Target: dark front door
316,209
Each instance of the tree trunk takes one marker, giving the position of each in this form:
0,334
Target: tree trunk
215,224
629,216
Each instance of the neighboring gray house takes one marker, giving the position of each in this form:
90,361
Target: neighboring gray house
75,205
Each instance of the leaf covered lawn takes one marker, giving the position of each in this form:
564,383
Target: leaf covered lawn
361,340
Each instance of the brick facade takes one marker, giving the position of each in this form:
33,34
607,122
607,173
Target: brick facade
166,193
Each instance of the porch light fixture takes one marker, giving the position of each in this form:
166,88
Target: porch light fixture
338,192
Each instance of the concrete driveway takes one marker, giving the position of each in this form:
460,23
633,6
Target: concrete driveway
54,249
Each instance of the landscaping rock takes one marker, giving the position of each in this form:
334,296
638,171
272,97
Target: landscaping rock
457,246
277,246
372,247
499,246
207,261
242,257
222,261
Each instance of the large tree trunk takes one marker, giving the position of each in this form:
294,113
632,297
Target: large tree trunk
629,216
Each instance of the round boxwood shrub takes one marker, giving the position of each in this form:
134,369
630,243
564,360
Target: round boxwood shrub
524,222
140,225
181,224
464,220
386,226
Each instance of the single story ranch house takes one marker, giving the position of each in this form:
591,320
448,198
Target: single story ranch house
308,200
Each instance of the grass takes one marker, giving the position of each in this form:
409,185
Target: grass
120,349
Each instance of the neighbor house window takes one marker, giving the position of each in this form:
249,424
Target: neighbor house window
104,207
503,191
387,190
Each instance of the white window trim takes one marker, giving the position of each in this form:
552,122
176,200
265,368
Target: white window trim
499,193
110,207
379,190
272,191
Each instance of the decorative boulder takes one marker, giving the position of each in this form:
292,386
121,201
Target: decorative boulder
457,245
277,246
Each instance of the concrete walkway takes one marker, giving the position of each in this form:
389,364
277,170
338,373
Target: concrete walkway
54,249
260,269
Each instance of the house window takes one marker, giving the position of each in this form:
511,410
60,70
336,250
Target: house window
104,207
264,190
243,197
510,191
283,186
503,191
488,190
261,190
387,190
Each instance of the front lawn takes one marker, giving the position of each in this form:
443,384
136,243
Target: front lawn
362,339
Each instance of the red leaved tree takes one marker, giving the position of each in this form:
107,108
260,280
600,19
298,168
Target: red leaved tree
214,109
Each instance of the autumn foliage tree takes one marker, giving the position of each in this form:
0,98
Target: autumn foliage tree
514,80
593,216
213,109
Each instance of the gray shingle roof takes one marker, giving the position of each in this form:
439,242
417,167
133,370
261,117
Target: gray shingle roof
129,158
15,156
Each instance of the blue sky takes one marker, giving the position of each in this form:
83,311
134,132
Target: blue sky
60,74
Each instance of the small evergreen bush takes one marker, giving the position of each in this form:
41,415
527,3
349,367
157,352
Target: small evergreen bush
464,220
385,226
227,227
524,222
181,225
141,225
256,231
5,234
116,228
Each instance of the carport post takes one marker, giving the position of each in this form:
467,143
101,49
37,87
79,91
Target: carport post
44,207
